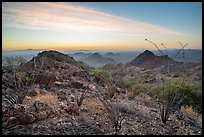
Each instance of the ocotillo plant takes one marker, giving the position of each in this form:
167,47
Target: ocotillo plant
171,101
22,82
112,110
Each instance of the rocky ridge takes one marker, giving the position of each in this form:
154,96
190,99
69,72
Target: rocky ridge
50,107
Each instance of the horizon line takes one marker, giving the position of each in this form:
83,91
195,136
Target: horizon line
99,49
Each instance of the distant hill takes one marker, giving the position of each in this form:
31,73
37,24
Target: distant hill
95,56
110,54
97,59
148,60
79,54
51,56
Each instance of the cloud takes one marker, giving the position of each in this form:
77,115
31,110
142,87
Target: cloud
66,16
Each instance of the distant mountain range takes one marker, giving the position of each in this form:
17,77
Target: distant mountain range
94,59
98,60
105,57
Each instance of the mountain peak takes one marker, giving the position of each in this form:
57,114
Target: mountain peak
55,55
148,60
148,52
95,55
110,54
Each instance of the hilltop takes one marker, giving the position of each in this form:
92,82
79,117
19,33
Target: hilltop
148,60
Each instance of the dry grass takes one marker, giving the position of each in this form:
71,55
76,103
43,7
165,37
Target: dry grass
189,110
45,98
51,100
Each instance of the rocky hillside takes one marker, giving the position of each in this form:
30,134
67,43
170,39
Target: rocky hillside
59,57
63,98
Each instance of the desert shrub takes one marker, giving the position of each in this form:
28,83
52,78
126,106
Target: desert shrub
22,81
133,86
138,88
23,76
128,82
194,97
176,74
193,92
14,61
101,75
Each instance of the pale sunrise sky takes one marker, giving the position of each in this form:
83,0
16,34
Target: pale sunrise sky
100,25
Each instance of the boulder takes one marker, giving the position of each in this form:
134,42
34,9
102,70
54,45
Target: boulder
34,91
72,109
26,118
78,85
28,97
46,79
41,115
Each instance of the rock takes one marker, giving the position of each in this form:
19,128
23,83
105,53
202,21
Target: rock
34,91
130,95
59,84
26,118
62,105
28,97
44,92
77,85
92,87
10,121
42,79
112,90
47,79
41,115
73,108
62,95
52,79
39,106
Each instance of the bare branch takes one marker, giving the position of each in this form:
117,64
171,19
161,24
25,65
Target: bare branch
155,46
180,49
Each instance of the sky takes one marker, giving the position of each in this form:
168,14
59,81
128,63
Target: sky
100,25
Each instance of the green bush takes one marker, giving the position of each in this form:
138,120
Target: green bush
101,75
132,85
128,82
192,91
138,88
23,76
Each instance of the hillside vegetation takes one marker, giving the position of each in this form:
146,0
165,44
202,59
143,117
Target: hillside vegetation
53,94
